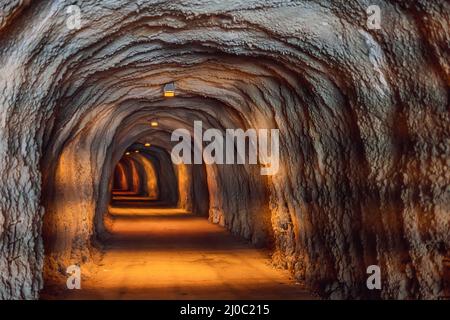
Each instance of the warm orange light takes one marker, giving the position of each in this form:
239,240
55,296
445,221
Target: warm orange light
169,90
154,124
147,144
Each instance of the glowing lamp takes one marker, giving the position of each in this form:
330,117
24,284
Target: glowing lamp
127,153
147,144
169,90
154,124
137,151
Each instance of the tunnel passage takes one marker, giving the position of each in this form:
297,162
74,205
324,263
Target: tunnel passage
135,177
362,113
145,177
145,171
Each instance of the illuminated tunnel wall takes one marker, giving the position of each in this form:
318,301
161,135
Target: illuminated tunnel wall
364,140
139,173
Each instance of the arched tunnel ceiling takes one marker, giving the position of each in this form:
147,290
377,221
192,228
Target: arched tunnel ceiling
363,120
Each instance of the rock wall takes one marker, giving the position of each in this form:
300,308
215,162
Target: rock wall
363,117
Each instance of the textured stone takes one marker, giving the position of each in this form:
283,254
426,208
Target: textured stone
363,118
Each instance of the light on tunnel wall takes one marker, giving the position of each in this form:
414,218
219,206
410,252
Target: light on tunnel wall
154,123
169,90
147,144
136,151
127,153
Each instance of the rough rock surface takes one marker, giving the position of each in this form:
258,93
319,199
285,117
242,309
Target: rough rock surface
363,118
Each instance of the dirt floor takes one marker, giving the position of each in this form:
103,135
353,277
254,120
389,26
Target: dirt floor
170,254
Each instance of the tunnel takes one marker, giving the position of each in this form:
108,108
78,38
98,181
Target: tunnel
118,156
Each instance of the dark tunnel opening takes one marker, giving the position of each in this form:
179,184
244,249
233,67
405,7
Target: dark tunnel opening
345,130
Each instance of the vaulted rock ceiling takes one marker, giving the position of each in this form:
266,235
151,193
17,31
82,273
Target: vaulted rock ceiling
363,118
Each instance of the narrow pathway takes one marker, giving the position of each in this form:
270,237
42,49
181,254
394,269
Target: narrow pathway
170,254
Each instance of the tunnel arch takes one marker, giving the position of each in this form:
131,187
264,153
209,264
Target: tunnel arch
357,180
121,180
148,183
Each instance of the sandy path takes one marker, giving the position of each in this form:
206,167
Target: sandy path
173,255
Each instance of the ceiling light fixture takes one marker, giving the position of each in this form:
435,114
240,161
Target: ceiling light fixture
147,144
154,124
169,90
